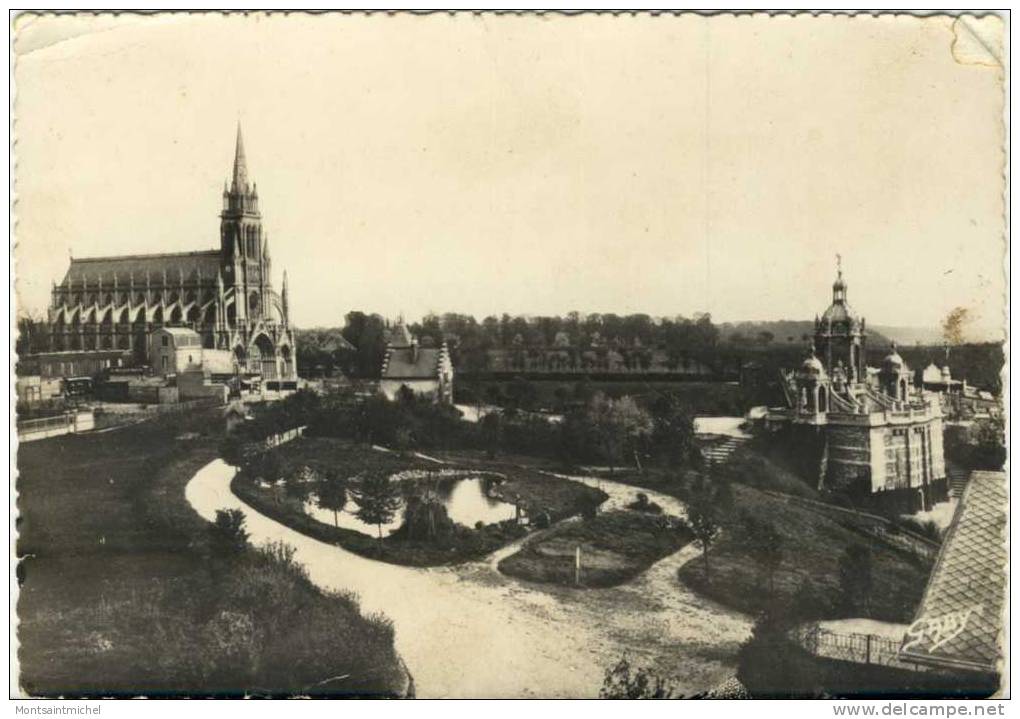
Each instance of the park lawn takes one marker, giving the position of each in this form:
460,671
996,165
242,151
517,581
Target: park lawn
536,491
755,469
121,593
813,545
346,457
615,548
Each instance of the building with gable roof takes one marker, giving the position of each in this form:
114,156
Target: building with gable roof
226,295
425,371
871,435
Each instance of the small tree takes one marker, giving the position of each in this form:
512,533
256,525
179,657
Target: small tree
704,517
492,432
673,430
332,494
378,500
855,578
300,484
425,516
267,466
617,425
705,528
227,532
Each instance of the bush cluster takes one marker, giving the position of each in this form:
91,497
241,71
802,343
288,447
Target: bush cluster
605,430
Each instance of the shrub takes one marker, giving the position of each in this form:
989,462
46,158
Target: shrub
425,518
227,533
642,504
621,682
770,664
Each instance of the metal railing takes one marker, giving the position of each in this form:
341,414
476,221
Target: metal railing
43,424
854,647
43,427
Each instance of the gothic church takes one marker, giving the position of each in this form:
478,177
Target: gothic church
225,294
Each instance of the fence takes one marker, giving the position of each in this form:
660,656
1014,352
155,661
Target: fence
276,440
32,429
855,648
114,415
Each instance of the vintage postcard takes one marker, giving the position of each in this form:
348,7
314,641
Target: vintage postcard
510,355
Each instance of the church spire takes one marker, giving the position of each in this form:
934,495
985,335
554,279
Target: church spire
285,301
240,164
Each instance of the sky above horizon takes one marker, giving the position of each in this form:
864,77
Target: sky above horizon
531,165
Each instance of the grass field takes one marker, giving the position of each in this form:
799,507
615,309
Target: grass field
536,492
813,543
615,547
121,593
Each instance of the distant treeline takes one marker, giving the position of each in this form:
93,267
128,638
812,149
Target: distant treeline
357,349
469,340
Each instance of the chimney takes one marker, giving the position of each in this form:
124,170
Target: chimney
414,350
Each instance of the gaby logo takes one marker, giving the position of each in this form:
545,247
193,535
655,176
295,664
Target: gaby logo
939,630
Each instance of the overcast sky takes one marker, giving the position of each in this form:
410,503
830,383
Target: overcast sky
483,164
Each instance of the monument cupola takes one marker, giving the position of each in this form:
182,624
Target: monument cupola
839,332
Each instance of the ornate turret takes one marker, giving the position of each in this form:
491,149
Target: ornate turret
839,332
812,385
894,376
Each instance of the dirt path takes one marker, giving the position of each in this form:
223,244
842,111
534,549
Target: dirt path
468,631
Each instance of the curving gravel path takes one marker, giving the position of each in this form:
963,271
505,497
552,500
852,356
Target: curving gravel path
468,631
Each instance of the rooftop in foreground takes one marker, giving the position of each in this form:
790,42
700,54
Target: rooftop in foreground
959,624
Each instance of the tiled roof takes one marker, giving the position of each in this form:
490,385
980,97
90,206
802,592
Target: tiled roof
400,365
959,623
124,266
399,336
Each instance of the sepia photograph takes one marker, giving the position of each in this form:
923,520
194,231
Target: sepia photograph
509,355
